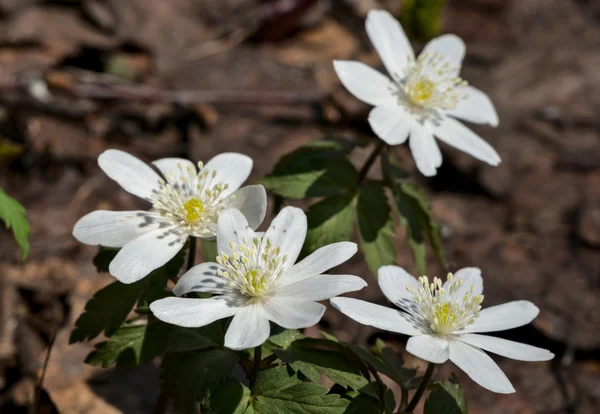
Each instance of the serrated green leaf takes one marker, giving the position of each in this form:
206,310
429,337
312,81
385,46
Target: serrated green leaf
231,397
193,339
109,307
132,345
446,398
313,357
361,403
375,226
279,390
285,338
188,376
14,216
312,171
331,220
415,213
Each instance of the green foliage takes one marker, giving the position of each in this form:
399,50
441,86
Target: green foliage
209,251
422,19
103,258
109,307
415,214
446,398
132,345
375,226
230,397
193,339
394,366
15,217
319,169
285,338
331,220
188,377
279,390
316,357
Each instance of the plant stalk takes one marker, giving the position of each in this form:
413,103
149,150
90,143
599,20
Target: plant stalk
257,361
369,163
421,390
191,254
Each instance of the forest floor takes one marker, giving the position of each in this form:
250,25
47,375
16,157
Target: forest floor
195,78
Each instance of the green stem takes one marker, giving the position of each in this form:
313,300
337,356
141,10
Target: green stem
421,390
369,163
191,254
257,360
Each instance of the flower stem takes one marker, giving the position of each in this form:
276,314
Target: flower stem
257,360
191,254
369,163
421,390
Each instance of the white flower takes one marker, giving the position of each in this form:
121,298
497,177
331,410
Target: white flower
187,202
443,321
423,96
256,281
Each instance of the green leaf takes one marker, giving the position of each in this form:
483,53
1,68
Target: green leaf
331,220
315,170
405,377
209,251
446,398
231,397
375,226
132,345
109,307
422,19
193,339
189,376
15,217
284,339
279,390
415,214
103,258
314,357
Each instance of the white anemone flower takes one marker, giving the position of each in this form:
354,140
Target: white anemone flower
185,203
256,281
422,97
445,320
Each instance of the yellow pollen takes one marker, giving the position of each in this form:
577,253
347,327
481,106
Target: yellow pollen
193,209
422,91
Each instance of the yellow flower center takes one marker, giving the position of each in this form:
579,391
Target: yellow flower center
422,91
193,209
446,309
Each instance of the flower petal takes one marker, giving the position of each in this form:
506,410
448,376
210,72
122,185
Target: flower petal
148,252
192,313
390,41
202,278
287,231
232,227
249,328
171,168
471,276
115,228
232,169
425,150
454,133
393,281
391,123
450,47
375,315
429,348
364,82
319,261
293,314
476,107
135,176
251,201
506,348
480,367
502,317
321,287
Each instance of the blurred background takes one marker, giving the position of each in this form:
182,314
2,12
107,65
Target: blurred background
193,78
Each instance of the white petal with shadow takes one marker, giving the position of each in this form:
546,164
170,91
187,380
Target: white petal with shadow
476,107
202,278
249,328
471,276
287,231
321,287
231,168
425,150
393,281
506,348
502,317
251,201
391,123
192,313
364,82
291,313
173,167
146,253
480,367
429,348
134,175
115,228
232,227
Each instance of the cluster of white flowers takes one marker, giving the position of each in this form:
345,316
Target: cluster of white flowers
256,278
